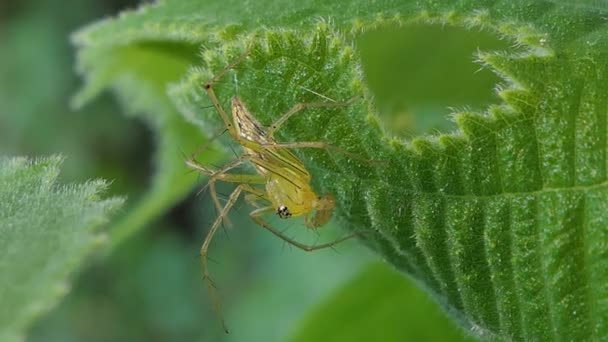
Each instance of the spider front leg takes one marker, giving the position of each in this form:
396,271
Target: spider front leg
205,251
310,144
223,175
305,105
257,214
319,145
208,86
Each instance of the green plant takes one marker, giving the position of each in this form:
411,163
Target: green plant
502,221
46,230
377,298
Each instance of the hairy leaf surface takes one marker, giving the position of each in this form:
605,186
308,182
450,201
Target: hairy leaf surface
46,231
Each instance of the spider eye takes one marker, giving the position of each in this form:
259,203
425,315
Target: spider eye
283,212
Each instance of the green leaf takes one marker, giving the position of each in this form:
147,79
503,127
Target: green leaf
502,220
46,231
376,298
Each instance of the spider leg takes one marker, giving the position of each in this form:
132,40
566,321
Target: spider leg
304,105
320,145
205,251
223,175
311,144
208,86
251,191
256,215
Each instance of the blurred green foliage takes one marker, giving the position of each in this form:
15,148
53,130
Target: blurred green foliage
374,298
150,288
36,82
427,67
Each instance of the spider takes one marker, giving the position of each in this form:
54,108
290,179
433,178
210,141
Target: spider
281,184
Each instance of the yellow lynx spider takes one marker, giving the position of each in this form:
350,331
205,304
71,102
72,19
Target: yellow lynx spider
281,185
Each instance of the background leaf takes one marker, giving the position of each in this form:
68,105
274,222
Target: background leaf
376,297
46,230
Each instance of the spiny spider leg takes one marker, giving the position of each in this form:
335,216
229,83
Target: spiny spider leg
214,100
256,216
320,145
311,144
222,175
205,248
304,105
